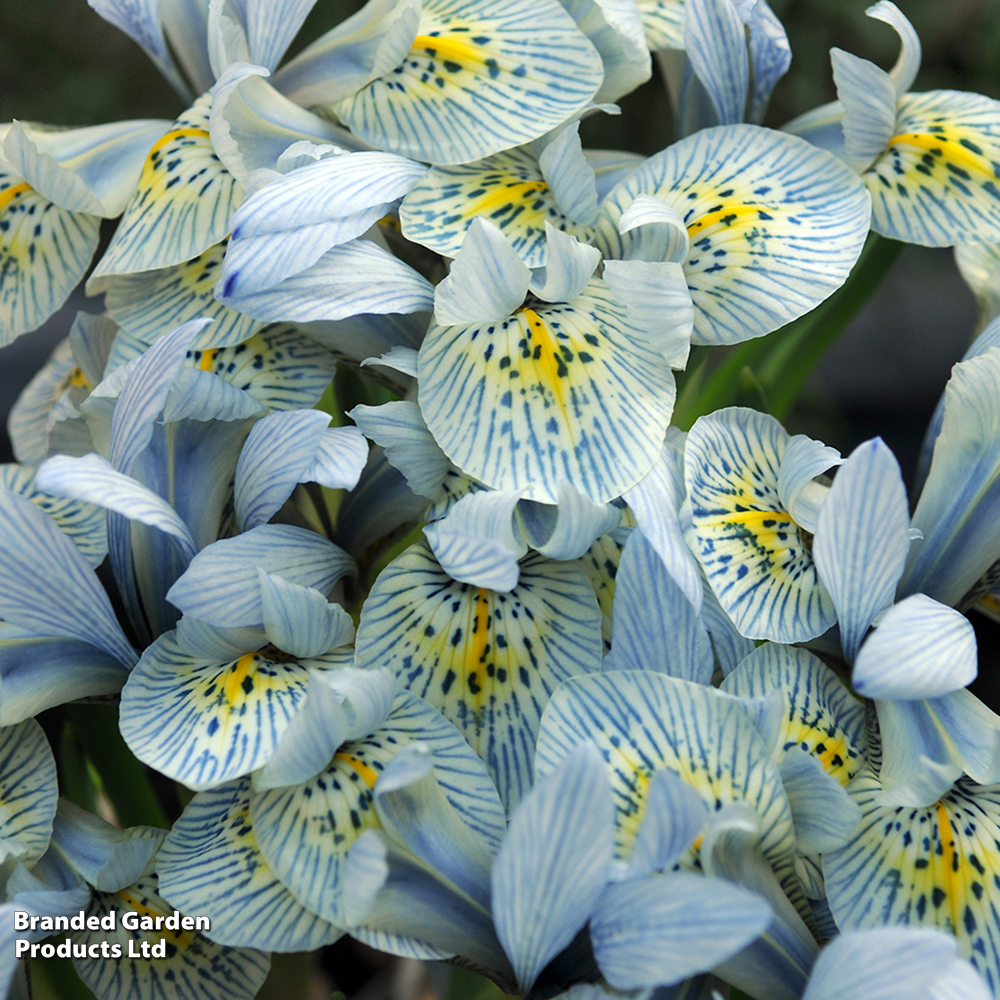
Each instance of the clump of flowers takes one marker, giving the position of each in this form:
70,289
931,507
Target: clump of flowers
366,501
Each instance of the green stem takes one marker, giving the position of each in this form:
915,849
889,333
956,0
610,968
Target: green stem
124,778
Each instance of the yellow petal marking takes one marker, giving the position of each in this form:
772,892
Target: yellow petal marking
453,50
150,167
207,357
238,673
77,378
549,364
6,197
501,196
725,215
179,938
955,150
367,774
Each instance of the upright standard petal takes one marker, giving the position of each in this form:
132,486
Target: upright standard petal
554,863
715,43
569,391
488,661
754,554
479,77
775,225
924,867
868,97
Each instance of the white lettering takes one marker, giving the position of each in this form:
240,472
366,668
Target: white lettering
21,921
20,947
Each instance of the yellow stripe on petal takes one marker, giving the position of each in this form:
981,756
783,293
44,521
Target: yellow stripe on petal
507,189
936,866
563,391
757,559
938,181
479,78
44,252
487,661
183,202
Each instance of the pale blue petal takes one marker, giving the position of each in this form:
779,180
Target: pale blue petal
665,928
487,280
802,461
673,641
775,224
868,97
94,480
271,25
221,587
400,429
668,241
367,696
140,20
823,814
885,963
207,642
357,277
658,302
656,501
144,395
488,661
569,265
401,359
28,792
908,64
823,127
957,511
476,543
47,586
202,395
979,266
554,863
26,424
364,46
567,530
975,731
299,620
715,42
570,177
278,451
210,865
770,57
107,857
308,742
862,539
675,815
340,459
921,649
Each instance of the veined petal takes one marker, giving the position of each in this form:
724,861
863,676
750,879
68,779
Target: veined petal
675,815
44,252
803,460
907,65
94,480
673,641
936,183
644,721
226,38
660,930
862,539
820,717
300,620
225,973
569,175
400,429
27,423
729,646
183,203
567,530
590,403
487,280
476,542
220,585
775,225
887,962
200,395
752,551
462,91
600,564
658,302
85,523
278,450
47,586
554,863
508,189
924,867
210,864
253,126
715,43
568,268
668,241
823,815
271,25
868,97
28,792
663,21
770,56
356,277
921,649
306,832
488,661
204,723
956,511
150,302
979,265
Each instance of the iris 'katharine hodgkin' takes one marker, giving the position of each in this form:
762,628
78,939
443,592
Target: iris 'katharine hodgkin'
357,491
